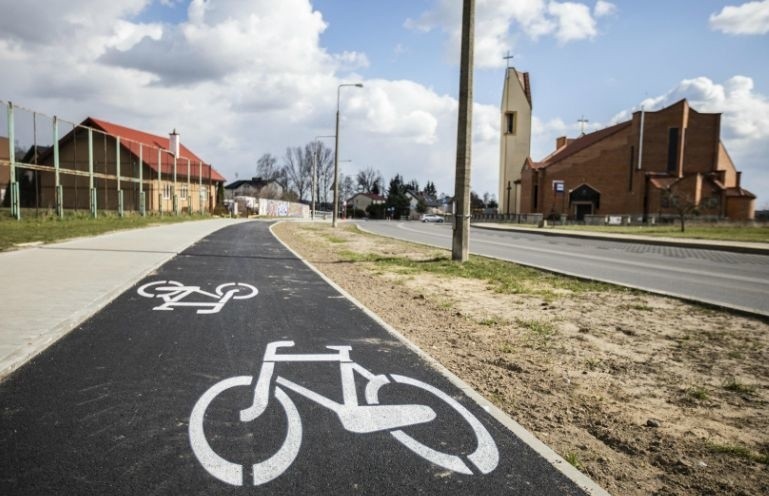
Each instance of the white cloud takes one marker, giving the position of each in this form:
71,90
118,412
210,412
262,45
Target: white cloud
748,18
574,21
496,21
603,8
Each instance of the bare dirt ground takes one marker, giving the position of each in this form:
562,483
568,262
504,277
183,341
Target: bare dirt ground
645,394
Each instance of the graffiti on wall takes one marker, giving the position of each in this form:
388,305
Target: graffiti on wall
277,208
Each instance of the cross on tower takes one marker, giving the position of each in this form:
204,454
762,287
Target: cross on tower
508,57
582,121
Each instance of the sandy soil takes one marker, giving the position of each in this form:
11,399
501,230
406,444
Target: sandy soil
645,394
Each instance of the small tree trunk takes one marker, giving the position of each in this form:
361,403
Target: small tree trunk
683,222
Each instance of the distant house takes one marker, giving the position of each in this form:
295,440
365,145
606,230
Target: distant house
255,187
361,201
143,158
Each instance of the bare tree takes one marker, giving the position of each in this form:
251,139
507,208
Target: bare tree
346,187
297,166
324,163
684,205
368,180
267,167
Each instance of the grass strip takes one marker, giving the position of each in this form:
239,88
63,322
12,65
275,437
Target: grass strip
47,229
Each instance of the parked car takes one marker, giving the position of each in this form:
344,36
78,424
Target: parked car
431,218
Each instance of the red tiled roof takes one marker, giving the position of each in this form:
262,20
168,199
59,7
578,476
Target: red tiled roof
579,144
150,156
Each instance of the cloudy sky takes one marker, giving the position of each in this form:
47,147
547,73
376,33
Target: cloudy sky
239,78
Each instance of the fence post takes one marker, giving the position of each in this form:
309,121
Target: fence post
15,202
173,191
59,194
90,174
117,174
189,192
142,207
160,188
200,186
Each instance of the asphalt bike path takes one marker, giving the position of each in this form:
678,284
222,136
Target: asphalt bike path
235,369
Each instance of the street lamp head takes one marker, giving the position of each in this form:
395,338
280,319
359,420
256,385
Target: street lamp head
359,85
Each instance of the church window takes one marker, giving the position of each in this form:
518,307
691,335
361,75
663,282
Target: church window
672,149
630,166
510,122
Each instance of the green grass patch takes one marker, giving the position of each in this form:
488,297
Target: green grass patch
537,327
49,228
739,451
335,239
759,234
735,386
697,393
573,459
503,277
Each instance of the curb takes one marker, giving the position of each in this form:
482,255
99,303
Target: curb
556,461
697,244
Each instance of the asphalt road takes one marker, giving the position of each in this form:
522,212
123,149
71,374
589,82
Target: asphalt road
192,387
733,280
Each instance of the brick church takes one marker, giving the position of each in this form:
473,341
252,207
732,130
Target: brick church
646,168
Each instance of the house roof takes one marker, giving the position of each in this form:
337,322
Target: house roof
579,144
133,137
371,196
254,182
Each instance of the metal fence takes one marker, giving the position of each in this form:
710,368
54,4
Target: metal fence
49,165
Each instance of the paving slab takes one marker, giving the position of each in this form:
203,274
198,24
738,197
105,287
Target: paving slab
49,289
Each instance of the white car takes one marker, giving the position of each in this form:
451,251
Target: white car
431,218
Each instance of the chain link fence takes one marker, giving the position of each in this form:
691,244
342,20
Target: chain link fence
52,166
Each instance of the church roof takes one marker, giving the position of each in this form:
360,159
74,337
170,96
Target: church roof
579,144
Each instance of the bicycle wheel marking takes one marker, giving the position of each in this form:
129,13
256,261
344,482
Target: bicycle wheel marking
365,418
232,473
175,294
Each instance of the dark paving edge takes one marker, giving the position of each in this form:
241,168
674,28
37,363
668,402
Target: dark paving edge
737,309
646,240
568,470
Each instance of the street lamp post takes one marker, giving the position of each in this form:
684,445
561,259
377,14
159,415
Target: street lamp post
336,153
315,173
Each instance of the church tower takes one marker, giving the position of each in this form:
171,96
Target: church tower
515,139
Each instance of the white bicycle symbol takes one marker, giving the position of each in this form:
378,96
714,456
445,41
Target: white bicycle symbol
357,418
173,293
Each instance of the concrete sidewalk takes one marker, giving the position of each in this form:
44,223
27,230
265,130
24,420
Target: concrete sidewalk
733,246
48,290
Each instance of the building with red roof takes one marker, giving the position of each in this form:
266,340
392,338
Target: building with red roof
149,167
642,169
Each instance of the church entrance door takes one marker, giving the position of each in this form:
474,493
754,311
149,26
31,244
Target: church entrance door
583,209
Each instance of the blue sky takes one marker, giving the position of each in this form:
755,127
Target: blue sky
239,78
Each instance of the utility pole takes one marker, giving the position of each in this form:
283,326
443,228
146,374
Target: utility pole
460,242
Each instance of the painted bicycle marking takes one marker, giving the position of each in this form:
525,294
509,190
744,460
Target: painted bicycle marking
175,294
354,416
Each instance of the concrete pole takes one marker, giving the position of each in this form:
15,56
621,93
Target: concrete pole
460,241
336,153
335,207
